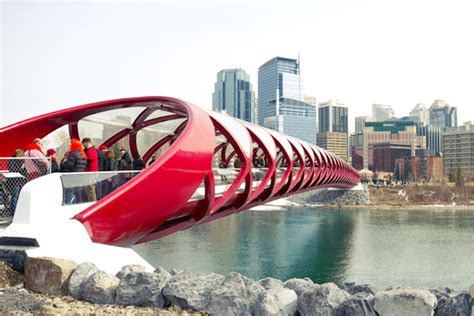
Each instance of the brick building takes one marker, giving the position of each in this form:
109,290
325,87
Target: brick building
422,168
380,143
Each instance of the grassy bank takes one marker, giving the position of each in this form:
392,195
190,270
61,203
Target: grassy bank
422,194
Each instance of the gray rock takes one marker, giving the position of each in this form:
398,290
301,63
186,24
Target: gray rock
332,197
162,271
459,305
299,285
238,295
269,283
191,291
405,301
352,288
100,288
321,300
443,292
128,269
360,304
278,301
439,293
472,291
142,289
80,274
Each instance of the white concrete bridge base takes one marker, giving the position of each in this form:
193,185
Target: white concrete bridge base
41,218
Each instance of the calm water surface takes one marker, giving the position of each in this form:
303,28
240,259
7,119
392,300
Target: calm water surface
383,248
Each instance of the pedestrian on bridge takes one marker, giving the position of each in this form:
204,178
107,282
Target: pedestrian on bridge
92,166
37,164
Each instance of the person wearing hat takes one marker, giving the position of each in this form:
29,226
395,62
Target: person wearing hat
102,157
51,153
92,155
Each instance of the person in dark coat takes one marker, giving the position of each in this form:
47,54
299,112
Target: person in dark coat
125,163
101,153
110,162
54,162
74,161
138,163
111,182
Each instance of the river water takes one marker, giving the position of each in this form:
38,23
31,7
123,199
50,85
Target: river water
425,248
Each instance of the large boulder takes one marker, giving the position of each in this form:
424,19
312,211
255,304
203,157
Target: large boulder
405,301
191,291
80,274
238,295
299,285
278,300
360,304
140,288
100,288
321,299
459,305
48,275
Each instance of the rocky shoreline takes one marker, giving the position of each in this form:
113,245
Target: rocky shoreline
53,287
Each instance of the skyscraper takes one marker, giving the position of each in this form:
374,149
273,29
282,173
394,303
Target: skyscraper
333,127
381,112
420,114
458,143
442,115
433,136
233,94
333,117
360,123
280,100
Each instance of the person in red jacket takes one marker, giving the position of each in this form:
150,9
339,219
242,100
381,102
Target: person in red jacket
92,156
92,166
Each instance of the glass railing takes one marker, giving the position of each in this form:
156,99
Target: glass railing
87,187
225,177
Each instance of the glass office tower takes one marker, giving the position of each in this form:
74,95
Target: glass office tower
333,127
234,95
280,100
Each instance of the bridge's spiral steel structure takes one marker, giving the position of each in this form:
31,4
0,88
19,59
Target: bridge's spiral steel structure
161,200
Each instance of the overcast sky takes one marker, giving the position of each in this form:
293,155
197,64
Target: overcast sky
59,54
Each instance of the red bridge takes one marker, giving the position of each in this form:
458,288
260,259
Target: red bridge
192,180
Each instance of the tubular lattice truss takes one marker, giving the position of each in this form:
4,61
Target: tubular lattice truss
208,165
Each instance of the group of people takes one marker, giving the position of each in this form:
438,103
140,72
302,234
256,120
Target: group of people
82,156
85,157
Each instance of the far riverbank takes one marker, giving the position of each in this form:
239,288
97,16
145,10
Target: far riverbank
407,197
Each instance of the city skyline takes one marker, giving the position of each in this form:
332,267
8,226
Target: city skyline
56,55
